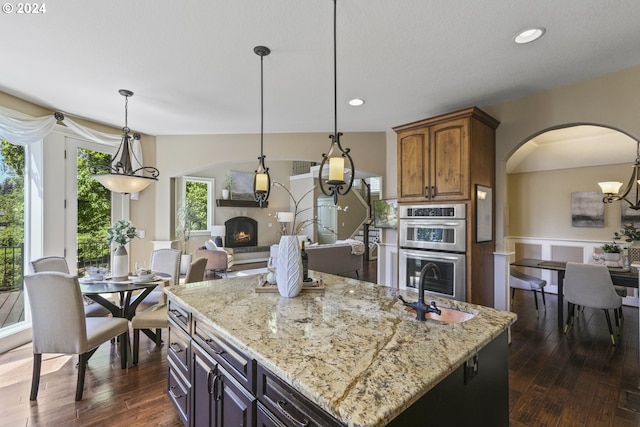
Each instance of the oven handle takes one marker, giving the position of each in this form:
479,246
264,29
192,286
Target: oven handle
431,255
425,223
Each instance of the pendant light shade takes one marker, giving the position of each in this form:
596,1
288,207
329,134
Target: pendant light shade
261,180
119,176
611,189
335,159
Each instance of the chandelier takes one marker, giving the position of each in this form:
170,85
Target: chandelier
261,179
120,176
611,188
335,158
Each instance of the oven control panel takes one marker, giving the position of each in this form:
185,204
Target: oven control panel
457,211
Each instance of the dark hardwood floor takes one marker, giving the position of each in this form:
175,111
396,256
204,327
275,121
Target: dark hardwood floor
555,380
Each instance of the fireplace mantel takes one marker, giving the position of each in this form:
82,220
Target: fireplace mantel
240,203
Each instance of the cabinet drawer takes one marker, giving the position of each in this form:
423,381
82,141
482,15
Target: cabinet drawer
264,418
179,349
178,392
288,405
241,367
179,315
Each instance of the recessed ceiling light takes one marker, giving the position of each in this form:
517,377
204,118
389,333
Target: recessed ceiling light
356,102
529,35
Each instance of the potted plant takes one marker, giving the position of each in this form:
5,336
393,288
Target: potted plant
631,235
228,184
611,252
184,224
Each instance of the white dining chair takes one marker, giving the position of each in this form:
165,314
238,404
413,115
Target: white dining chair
59,264
156,317
166,261
590,285
58,325
520,280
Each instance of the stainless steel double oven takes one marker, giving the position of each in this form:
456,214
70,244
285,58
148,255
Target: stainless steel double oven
433,234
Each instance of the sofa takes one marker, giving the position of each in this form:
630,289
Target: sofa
218,259
334,259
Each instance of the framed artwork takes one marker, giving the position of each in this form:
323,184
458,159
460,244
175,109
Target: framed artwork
484,213
629,215
242,185
587,209
385,213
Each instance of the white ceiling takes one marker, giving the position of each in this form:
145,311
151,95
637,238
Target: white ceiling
192,67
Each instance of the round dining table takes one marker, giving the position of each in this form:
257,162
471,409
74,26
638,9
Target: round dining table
128,302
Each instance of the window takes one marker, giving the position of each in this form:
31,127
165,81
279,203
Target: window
197,202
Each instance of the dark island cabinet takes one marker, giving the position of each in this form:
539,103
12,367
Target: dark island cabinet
219,400
213,383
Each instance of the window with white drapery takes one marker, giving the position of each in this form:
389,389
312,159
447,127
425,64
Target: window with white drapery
25,131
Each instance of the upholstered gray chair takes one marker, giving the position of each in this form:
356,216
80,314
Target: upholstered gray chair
156,317
165,261
590,285
520,280
58,325
59,264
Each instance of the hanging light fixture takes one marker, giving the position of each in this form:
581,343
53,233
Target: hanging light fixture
611,188
120,176
335,158
261,180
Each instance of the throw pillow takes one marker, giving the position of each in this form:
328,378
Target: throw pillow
210,245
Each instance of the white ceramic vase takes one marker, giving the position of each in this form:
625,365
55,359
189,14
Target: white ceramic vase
225,194
289,269
185,263
120,263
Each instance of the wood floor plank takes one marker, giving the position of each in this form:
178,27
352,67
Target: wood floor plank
556,380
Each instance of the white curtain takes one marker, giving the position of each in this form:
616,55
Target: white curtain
27,130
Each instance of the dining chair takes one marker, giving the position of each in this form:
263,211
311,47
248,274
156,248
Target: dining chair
165,261
156,317
520,280
59,264
58,324
590,285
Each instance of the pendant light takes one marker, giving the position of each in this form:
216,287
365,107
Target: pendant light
335,158
611,189
119,176
261,180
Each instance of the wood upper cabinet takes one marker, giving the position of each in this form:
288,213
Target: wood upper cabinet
434,155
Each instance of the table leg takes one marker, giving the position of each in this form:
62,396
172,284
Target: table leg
560,301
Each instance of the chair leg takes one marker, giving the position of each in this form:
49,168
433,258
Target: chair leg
124,349
357,275
35,378
543,300
158,337
570,311
513,294
616,317
535,299
82,367
136,345
613,339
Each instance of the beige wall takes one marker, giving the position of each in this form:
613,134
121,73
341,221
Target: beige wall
540,202
187,154
610,100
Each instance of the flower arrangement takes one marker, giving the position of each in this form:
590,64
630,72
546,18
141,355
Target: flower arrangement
122,232
297,227
611,248
629,232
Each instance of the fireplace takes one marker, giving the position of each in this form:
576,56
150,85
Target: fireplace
241,231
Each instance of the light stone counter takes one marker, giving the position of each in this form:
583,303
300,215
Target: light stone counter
355,350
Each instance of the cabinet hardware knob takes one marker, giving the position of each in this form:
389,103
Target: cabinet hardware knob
281,404
176,347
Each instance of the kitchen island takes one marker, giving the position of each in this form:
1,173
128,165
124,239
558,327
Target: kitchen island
350,355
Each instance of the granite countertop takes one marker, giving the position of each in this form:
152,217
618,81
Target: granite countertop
354,350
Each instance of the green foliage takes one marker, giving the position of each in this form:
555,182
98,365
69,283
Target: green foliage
94,208
629,232
122,232
193,215
611,248
228,182
11,215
